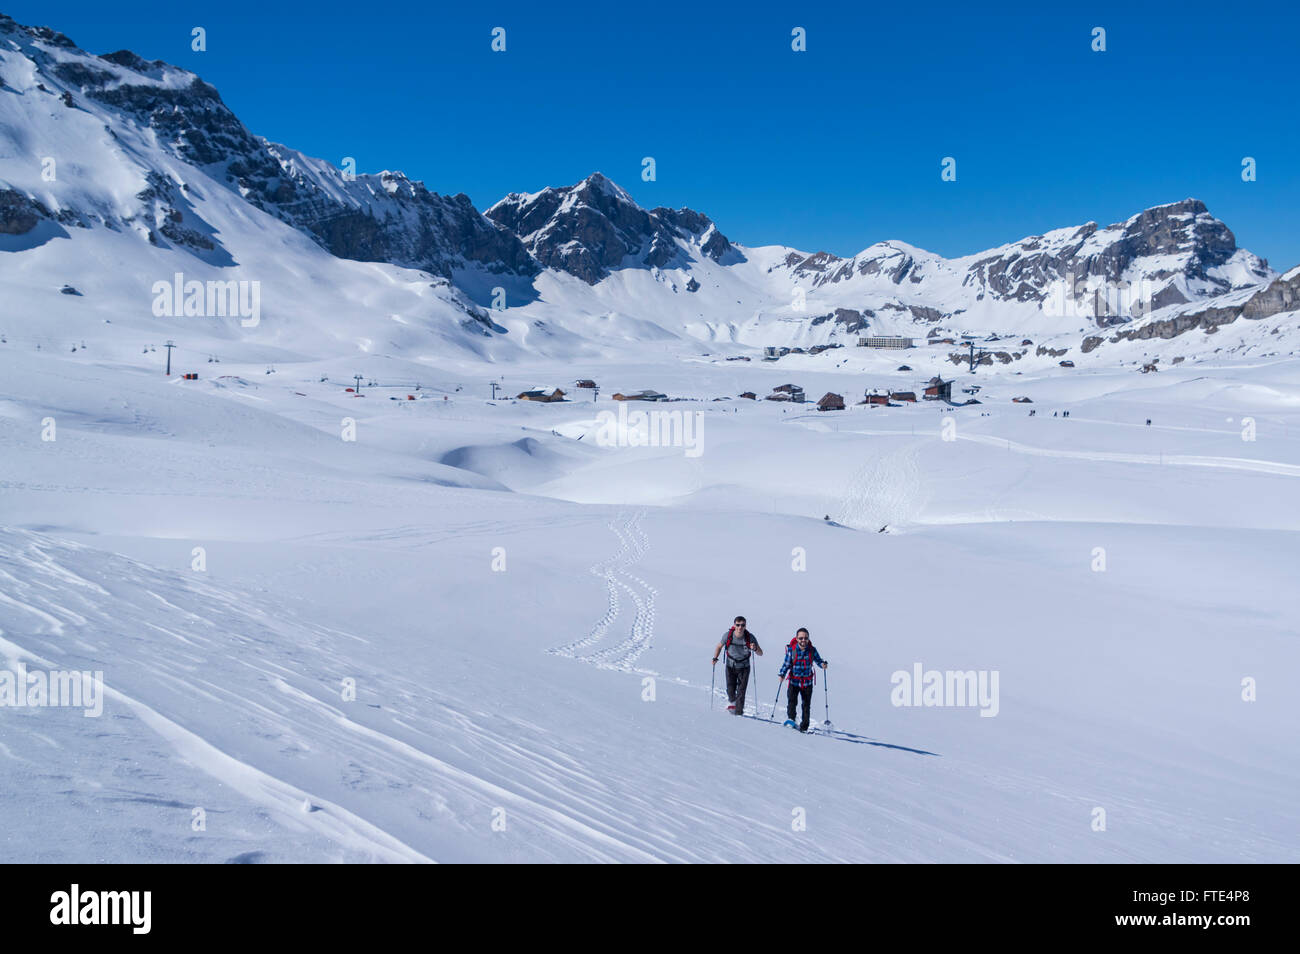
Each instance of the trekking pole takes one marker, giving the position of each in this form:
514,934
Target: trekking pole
826,688
778,697
753,688
713,682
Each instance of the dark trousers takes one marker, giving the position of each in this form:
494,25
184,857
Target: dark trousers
792,697
737,682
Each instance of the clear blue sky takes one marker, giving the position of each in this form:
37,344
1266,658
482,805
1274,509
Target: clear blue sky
833,148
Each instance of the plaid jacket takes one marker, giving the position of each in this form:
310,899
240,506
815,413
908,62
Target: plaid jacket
799,664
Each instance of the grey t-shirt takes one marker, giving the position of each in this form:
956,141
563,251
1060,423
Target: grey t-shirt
738,652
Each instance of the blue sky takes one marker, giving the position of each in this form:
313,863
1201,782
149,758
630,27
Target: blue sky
833,148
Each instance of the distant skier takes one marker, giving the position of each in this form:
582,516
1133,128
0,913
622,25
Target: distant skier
738,643
800,657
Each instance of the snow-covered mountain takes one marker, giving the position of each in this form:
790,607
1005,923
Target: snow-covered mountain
1136,280
594,227
142,114
1182,251
147,159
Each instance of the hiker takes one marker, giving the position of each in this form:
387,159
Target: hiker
738,643
800,657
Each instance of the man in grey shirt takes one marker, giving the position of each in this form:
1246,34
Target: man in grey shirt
738,643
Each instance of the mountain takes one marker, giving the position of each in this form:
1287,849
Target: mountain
591,228
373,218
1154,263
137,160
1180,246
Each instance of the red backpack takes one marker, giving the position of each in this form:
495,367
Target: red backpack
812,659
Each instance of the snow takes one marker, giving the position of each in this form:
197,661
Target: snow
527,612
521,690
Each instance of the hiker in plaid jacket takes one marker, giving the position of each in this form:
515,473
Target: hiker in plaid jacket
800,657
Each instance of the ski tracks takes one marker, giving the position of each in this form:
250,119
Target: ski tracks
617,573
359,778
605,570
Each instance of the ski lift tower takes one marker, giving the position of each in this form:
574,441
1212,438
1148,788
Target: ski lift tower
974,358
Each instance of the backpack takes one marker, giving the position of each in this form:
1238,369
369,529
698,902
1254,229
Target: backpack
812,656
794,644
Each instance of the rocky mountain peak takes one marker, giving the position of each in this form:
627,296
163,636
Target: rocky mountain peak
593,227
1179,250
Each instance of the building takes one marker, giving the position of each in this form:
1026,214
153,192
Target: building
873,397
937,389
584,383
1066,364
877,341
545,395
646,395
901,396
792,392
831,402
749,394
